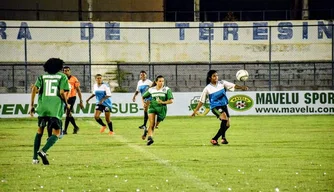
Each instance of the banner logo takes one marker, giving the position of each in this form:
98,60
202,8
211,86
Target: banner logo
240,103
201,111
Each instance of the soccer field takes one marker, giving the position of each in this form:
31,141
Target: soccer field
265,153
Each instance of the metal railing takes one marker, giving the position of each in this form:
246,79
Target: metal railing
148,16
17,78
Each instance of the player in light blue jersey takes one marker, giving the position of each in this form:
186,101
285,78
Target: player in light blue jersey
103,103
216,91
142,86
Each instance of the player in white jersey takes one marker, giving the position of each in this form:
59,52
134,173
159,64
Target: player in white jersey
216,91
103,103
142,86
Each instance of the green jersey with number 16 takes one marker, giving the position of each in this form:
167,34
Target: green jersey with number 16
49,101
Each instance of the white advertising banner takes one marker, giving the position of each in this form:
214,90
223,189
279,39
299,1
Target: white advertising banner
240,103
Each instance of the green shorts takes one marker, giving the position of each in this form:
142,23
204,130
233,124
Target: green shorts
160,111
51,122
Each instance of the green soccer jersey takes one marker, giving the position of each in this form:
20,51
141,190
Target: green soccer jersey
49,101
163,94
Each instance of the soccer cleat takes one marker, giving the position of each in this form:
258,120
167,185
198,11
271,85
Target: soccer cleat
35,161
111,133
224,141
150,141
61,135
75,130
142,127
103,128
156,127
214,142
43,157
64,132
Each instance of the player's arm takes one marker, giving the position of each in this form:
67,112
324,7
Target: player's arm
231,86
63,94
134,96
244,88
169,98
108,94
93,95
199,105
200,102
34,90
104,98
169,101
80,96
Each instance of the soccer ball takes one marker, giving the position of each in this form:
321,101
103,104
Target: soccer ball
242,75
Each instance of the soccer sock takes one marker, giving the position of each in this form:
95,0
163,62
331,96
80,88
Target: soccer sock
67,121
37,144
52,140
100,122
223,127
110,126
49,130
73,122
221,130
145,118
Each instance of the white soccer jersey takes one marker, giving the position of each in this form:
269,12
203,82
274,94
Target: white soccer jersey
217,93
100,92
142,86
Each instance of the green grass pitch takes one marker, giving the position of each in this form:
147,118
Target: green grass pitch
265,153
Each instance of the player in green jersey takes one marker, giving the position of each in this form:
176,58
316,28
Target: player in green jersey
161,96
51,89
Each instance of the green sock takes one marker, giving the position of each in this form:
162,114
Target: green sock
52,140
37,144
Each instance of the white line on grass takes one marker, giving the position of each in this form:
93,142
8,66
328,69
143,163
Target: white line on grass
204,186
177,170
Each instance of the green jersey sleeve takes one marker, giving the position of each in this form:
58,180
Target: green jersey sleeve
39,82
63,84
146,94
169,94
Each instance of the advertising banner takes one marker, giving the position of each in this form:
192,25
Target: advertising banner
240,103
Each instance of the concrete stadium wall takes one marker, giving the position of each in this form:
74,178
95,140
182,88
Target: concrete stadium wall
178,42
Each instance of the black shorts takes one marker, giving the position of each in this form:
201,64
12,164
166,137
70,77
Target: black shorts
71,102
219,110
50,122
102,108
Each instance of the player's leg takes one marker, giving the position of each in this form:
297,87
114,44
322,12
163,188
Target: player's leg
109,122
220,113
146,103
157,124
67,120
151,119
160,116
150,130
99,109
225,124
38,137
71,118
56,125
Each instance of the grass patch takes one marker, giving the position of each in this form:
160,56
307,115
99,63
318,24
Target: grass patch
265,153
